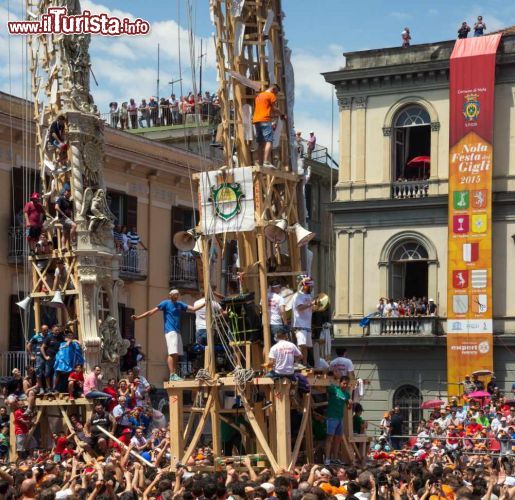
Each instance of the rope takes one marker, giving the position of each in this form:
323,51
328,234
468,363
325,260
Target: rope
242,376
204,375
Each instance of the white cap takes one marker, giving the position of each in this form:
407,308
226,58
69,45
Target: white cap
312,132
268,487
174,292
325,471
431,300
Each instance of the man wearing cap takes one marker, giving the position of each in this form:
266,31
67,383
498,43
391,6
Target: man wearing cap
432,307
312,142
172,311
276,310
64,211
34,215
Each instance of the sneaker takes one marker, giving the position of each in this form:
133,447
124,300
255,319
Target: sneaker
41,391
175,378
268,164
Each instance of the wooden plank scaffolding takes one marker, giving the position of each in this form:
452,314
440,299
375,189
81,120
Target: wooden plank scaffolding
251,55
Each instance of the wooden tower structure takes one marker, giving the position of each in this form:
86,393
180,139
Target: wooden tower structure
87,299
252,54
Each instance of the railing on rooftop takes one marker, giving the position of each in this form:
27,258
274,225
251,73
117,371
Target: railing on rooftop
403,326
134,264
319,154
13,359
410,189
183,271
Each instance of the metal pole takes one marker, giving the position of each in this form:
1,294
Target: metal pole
200,77
157,89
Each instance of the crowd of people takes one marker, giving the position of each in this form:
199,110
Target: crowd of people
463,31
171,110
416,306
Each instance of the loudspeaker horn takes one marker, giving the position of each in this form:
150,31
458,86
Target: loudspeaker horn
57,301
24,304
185,240
276,231
302,235
198,246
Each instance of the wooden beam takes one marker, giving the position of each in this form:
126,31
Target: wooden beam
200,427
175,401
282,420
306,419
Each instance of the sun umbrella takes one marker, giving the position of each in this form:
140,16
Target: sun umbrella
420,161
481,373
433,403
479,395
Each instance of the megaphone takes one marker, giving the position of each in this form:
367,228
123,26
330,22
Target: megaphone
302,235
57,301
276,231
24,304
185,240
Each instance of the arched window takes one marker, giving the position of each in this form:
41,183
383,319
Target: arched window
408,270
409,399
412,144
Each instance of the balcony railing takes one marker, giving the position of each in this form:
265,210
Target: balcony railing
134,264
16,237
416,325
410,189
183,271
13,359
319,154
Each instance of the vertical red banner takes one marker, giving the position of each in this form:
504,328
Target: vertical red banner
469,277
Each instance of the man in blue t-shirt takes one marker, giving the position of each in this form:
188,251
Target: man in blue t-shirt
172,312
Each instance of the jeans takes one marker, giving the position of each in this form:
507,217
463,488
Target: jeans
97,395
146,118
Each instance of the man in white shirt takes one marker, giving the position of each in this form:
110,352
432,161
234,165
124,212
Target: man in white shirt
200,319
302,313
121,415
282,357
342,365
276,310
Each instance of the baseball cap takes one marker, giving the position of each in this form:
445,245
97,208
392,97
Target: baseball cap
268,487
174,291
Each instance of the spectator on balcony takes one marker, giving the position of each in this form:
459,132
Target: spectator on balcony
118,238
114,113
174,109
133,239
49,349
265,108
479,26
172,310
464,30
153,106
468,385
34,215
124,116
144,114
133,113
36,356
432,308
381,306
166,116
133,356
312,142
406,38
64,210
299,144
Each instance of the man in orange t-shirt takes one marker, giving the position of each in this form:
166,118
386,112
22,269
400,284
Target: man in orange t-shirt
264,108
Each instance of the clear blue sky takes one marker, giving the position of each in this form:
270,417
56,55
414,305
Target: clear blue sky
318,33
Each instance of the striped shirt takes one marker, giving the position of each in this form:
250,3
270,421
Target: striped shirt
134,238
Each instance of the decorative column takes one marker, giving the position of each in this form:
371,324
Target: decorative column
387,162
359,155
341,309
344,173
435,174
357,261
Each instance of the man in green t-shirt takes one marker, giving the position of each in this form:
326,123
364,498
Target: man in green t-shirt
338,397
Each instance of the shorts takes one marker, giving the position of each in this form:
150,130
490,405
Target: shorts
24,444
39,366
174,343
33,232
49,367
264,132
67,224
201,336
334,426
303,337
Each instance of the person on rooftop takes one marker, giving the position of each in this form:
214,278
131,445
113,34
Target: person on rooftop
464,30
479,26
406,38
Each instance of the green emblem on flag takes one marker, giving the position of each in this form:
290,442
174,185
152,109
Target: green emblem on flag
227,200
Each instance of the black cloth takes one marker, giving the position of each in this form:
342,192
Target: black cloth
99,420
52,343
57,129
130,360
66,207
396,424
